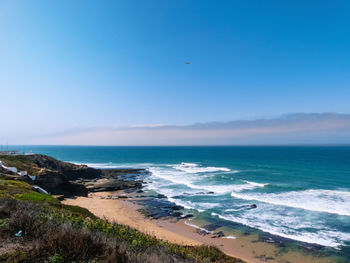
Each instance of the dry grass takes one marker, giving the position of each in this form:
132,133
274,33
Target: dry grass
63,242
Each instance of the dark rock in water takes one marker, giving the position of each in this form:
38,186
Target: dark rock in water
130,190
122,173
122,196
118,197
211,227
186,216
264,258
198,193
218,234
202,232
177,207
161,196
106,184
248,206
176,214
269,240
160,208
139,191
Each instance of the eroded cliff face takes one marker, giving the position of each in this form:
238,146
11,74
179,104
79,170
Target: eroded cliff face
69,170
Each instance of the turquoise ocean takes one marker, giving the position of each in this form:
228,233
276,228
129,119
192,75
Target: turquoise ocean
302,193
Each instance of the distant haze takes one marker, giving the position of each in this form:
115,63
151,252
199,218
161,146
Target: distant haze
326,128
160,72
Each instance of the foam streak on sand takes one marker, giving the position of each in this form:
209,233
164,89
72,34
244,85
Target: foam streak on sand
197,227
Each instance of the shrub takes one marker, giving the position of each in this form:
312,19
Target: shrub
59,233
57,258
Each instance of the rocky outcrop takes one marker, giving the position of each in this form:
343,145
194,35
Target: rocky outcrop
65,178
56,183
110,184
69,170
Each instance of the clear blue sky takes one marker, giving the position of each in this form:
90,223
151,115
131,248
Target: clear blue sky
79,64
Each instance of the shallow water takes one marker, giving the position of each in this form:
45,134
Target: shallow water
301,193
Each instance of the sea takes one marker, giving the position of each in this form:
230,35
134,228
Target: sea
300,193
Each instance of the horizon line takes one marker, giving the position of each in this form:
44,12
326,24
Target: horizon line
185,145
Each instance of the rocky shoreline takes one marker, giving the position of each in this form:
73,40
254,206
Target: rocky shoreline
68,180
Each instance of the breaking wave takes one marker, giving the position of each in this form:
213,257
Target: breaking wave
329,201
196,181
195,168
281,226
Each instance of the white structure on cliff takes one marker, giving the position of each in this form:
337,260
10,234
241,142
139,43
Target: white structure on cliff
23,173
15,170
12,169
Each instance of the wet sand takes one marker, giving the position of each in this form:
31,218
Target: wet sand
177,231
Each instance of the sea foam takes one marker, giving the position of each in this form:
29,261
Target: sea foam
191,177
282,226
195,168
329,201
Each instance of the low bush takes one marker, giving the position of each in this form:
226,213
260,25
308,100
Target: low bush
36,197
70,234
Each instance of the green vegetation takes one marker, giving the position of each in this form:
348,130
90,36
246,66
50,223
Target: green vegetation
53,232
57,258
21,162
10,188
36,197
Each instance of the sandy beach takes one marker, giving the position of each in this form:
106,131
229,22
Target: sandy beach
125,213
180,232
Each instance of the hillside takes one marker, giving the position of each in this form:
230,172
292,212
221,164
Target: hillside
53,232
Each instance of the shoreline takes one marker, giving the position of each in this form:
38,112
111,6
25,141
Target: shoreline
125,212
181,232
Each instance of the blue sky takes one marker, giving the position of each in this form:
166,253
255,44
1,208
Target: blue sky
89,64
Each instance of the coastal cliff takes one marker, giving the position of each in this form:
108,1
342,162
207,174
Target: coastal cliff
63,178
36,227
